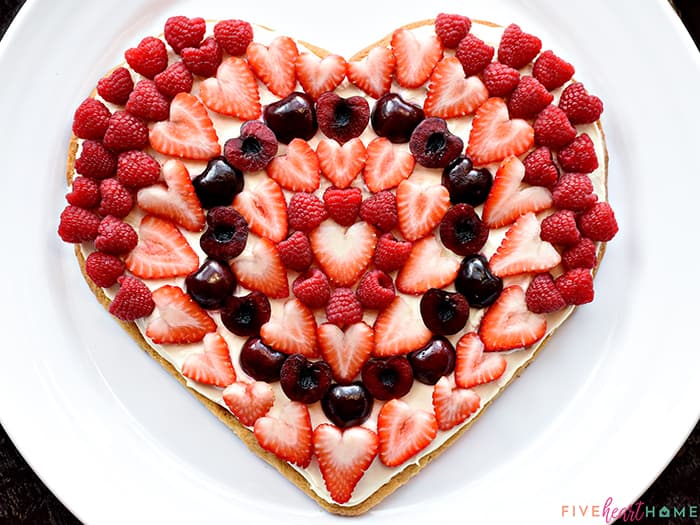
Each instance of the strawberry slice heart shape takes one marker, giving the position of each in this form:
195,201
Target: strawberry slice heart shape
213,366
287,435
420,207
291,329
275,64
453,406
403,431
233,91
429,265
343,253
249,400
341,164
472,367
318,75
387,166
450,94
346,351
298,170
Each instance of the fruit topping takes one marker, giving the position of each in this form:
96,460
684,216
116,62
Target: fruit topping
508,324
211,284
175,79
178,319
96,161
500,80
579,106
147,102
346,351
415,57
420,208
306,212
298,170
260,268
388,378
260,361
295,252
391,254
291,329
303,380
115,199
542,296
529,98
517,48
288,435
233,91
148,58
403,432
125,132
540,170
450,29
387,166
581,255
132,301
116,86
434,360
318,75
443,312
226,234
249,400
253,149
373,74
574,191
85,193
162,251
343,253
264,209
452,406
213,366
477,283
552,128
343,307
450,94
294,116
428,266
136,169
312,288
245,315
579,156
432,144
598,223
380,210
104,269
473,55
340,118
551,70
342,206
341,164
473,367
394,118
462,231
78,225
181,32
465,183
218,184
560,228
347,405
398,329
375,290
275,64
576,286
204,59
116,237
233,35
494,136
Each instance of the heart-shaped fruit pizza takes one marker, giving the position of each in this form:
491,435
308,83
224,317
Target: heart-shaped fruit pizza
345,261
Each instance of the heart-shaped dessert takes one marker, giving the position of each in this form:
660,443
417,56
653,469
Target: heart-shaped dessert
438,203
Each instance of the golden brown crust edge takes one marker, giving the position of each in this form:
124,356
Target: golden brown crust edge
244,433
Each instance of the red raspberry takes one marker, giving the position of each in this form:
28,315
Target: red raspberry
233,36
598,223
137,169
542,296
133,300
181,32
343,307
391,254
125,132
115,199
574,191
148,58
295,252
581,255
115,237
147,102
85,193
380,210
517,48
312,288
500,80
579,106
529,98
376,290
91,119
560,228
78,225
451,29
343,205
473,54
551,70
579,156
203,60
104,269
576,286
553,129
95,161
116,87
540,170
305,212
175,79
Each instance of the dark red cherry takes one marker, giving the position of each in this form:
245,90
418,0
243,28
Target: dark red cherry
434,360
433,145
292,117
211,285
443,312
462,230
218,184
394,118
260,361
245,315
303,380
466,184
388,378
476,282
226,234
347,405
341,118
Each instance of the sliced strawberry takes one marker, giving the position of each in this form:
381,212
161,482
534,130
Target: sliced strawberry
494,135
453,406
416,56
508,324
343,253
343,457
178,319
387,165
291,329
188,133
264,209
399,329
403,432
175,200
472,367
249,401
420,208
288,436
429,265
318,75
275,64
346,351
260,268
298,170
374,72
162,251
509,199
450,94
523,251
341,164
233,91
213,366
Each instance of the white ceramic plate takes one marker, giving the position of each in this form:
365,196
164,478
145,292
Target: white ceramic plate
598,415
